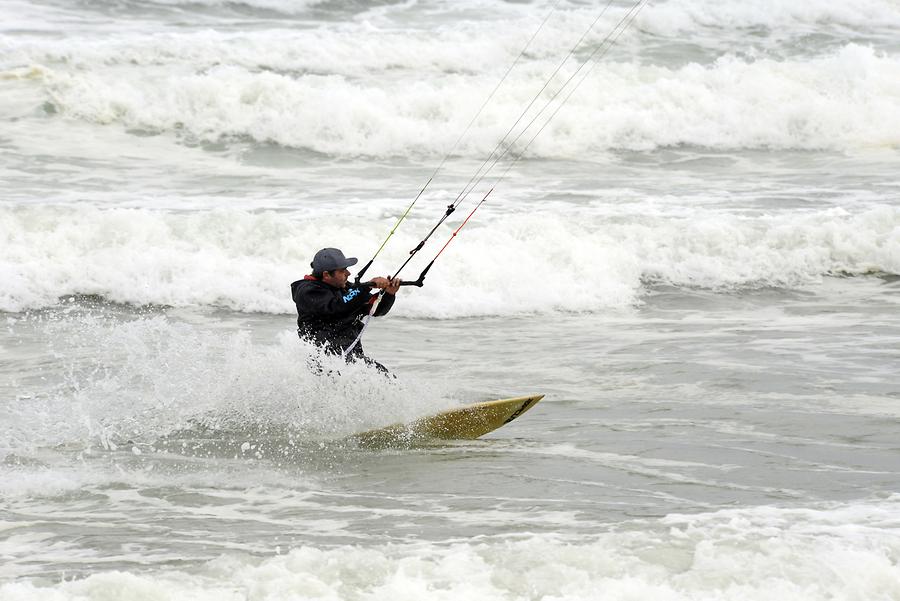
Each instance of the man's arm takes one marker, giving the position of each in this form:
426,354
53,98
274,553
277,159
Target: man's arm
387,301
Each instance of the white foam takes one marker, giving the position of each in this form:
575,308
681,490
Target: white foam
385,93
583,260
840,553
686,16
283,6
729,104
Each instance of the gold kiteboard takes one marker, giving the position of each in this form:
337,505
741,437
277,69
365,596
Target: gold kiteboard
461,423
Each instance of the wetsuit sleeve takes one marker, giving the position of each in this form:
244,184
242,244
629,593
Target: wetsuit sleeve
387,301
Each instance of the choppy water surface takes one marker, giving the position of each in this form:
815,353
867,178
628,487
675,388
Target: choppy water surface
697,262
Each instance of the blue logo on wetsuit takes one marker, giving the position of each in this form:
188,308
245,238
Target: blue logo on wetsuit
351,294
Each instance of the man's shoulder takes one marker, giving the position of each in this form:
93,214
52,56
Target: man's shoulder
307,282
310,286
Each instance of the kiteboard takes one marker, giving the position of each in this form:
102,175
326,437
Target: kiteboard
461,423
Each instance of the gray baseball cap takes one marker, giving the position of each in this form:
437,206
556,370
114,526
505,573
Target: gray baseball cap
329,259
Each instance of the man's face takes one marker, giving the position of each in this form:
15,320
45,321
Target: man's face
337,278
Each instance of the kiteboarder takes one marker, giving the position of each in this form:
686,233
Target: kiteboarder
330,312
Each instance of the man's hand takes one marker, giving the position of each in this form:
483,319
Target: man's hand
389,285
393,286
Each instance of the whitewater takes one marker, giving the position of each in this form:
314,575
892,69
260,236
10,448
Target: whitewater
697,261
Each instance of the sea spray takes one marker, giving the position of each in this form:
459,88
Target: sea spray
154,376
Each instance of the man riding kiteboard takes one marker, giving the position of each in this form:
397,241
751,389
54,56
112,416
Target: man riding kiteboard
330,311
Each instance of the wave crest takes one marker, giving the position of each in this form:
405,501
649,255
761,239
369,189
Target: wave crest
246,261
849,100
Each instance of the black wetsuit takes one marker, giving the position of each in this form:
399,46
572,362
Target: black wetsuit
332,318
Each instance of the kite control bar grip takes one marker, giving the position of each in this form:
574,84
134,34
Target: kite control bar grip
421,281
418,283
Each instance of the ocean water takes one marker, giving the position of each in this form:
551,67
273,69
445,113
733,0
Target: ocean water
697,261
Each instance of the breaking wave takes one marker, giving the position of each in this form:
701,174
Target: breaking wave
847,100
584,261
